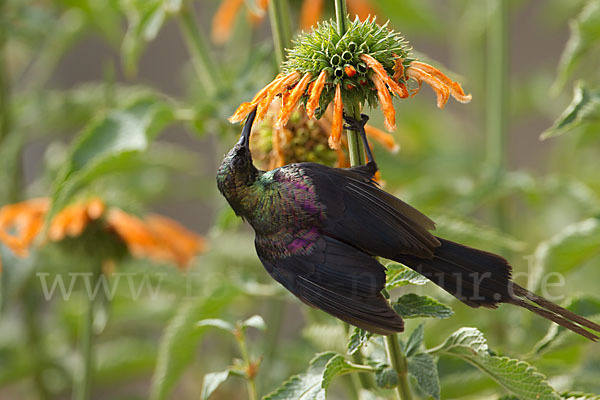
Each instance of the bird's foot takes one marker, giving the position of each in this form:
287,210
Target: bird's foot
354,124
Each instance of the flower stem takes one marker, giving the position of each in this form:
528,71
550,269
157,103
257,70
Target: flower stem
399,363
355,147
497,78
83,381
250,373
13,186
279,15
197,44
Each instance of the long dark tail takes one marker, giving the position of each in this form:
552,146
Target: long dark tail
478,278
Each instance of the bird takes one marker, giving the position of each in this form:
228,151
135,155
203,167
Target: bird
319,231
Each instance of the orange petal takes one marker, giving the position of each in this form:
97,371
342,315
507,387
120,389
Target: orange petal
455,89
442,91
383,138
25,219
132,230
398,69
181,244
79,220
337,125
95,208
223,20
281,85
389,113
292,101
244,109
342,160
381,72
242,112
362,8
310,13
315,94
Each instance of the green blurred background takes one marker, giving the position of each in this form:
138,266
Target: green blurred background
67,64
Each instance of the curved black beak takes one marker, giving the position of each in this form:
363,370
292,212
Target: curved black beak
245,136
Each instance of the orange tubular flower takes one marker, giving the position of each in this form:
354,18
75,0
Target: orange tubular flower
441,84
223,19
337,125
385,99
156,237
367,65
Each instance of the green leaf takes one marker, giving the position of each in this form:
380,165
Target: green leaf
108,146
399,275
584,108
256,322
516,376
212,381
216,323
423,367
415,340
585,34
357,339
386,377
574,245
180,337
413,306
313,384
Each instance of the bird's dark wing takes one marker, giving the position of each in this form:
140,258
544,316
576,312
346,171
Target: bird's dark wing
359,212
332,276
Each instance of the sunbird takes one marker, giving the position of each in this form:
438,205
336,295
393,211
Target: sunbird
318,230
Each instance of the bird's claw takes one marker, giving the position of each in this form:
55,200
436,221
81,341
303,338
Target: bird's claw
354,124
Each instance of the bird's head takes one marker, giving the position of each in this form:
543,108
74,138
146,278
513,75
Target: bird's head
237,170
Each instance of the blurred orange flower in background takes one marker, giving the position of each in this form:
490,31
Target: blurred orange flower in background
154,237
310,13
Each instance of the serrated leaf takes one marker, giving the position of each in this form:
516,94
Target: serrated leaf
415,340
212,381
180,337
256,322
108,146
573,246
413,306
216,323
357,339
585,33
423,367
386,377
584,108
516,376
400,275
313,384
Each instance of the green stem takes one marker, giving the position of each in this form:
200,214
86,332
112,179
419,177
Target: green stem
13,185
197,44
497,78
399,363
250,378
357,157
32,303
341,16
83,381
279,15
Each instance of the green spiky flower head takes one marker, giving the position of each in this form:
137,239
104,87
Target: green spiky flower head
324,48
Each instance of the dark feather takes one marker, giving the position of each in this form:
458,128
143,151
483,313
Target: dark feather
337,278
